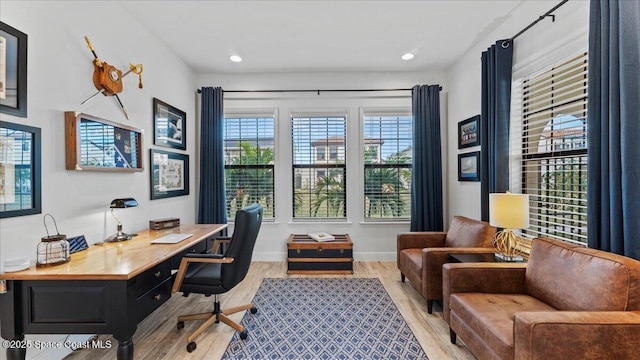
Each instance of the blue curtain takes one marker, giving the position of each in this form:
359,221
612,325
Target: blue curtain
212,200
426,189
613,194
494,121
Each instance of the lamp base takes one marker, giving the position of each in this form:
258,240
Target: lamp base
505,258
118,237
507,245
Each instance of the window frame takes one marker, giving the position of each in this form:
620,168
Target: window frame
325,166
243,113
381,112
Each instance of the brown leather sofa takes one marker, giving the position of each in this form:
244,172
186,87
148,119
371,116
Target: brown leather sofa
568,302
422,254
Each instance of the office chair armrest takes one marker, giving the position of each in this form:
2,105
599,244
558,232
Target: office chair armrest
219,241
196,258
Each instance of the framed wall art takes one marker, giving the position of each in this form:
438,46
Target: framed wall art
469,132
96,144
13,71
169,126
169,174
20,179
469,166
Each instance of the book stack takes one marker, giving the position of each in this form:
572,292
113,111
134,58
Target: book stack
321,236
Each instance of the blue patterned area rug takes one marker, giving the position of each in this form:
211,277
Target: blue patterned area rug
328,318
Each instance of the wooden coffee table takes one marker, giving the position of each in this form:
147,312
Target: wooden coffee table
309,257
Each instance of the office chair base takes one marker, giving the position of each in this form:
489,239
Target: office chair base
214,317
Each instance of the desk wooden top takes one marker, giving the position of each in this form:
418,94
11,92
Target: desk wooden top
119,260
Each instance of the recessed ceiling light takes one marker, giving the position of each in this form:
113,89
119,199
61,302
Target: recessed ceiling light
235,58
407,56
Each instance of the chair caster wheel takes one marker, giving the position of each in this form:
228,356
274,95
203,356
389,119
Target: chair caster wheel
254,310
244,334
180,325
191,346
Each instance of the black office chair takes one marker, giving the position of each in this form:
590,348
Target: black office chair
213,274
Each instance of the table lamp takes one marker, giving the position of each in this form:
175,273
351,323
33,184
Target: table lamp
120,204
508,211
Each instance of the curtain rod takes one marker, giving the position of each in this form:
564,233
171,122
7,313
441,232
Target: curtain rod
318,91
548,13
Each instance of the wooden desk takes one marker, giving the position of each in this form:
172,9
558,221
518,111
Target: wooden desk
106,289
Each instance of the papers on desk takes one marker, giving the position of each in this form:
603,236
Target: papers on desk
321,236
171,239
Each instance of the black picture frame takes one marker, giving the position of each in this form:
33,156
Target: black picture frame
20,170
469,132
13,75
169,126
469,166
169,174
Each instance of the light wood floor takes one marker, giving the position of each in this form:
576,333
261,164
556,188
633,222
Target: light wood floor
157,337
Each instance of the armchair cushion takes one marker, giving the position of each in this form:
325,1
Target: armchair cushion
465,232
493,316
560,275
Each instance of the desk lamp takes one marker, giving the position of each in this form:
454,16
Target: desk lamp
120,204
508,211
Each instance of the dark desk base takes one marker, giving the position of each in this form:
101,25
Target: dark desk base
85,306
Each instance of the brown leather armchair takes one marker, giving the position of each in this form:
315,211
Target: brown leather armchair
422,254
567,302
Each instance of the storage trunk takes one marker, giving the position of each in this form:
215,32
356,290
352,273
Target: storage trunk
306,256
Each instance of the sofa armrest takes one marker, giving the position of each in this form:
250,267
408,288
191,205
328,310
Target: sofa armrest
490,278
577,335
432,261
420,240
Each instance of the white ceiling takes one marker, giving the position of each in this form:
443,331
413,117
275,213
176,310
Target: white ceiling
311,36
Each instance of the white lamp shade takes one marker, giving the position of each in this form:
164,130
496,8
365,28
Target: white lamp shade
509,211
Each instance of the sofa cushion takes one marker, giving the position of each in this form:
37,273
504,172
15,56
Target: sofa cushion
465,232
491,316
567,278
629,287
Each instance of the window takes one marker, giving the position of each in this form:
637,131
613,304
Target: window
554,150
387,147
333,153
249,162
319,182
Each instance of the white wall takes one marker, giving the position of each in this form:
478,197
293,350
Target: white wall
59,78
371,241
531,51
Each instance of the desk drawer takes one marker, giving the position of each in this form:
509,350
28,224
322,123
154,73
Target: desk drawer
150,279
152,300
